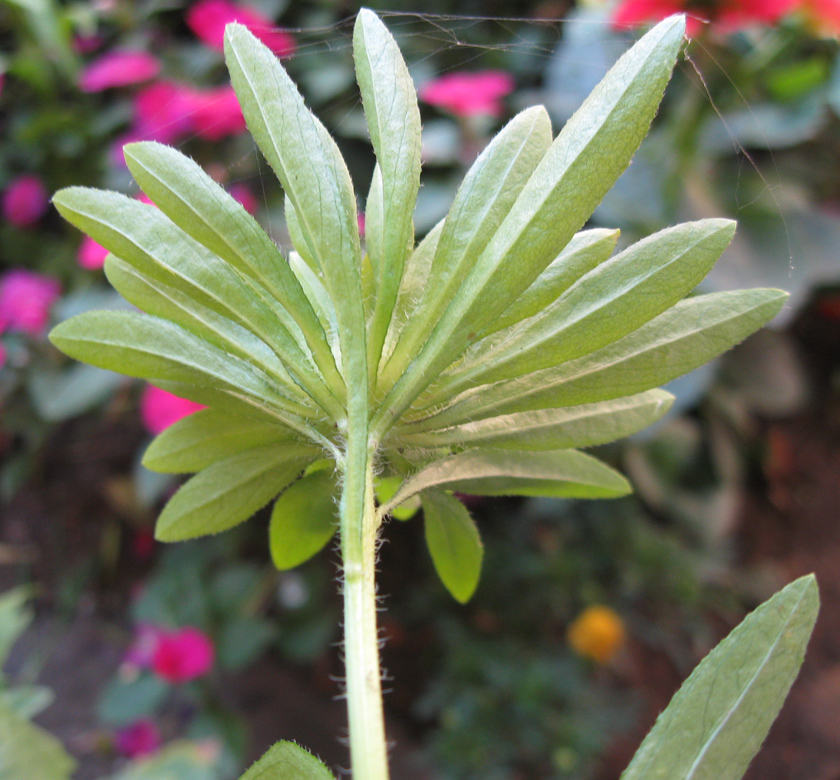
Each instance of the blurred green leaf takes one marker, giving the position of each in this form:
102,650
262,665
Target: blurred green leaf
27,751
179,760
15,616
27,700
242,640
122,703
59,395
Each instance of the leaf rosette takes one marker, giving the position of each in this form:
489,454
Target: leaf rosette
481,359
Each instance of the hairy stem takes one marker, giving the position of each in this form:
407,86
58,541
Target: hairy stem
368,749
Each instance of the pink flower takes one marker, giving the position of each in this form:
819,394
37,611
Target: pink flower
141,652
159,409
245,197
469,94
183,655
727,15
163,112
822,15
208,18
118,69
216,113
25,201
141,738
25,301
91,255
360,221
87,44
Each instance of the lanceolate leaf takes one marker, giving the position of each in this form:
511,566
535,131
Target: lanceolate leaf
552,429
231,490
27,751
313,175
676,342
563,474
590,153
485,197
207,436
414,281
304,519
454,543
161,300
143,237
586,250
287,761
390,103
717,721
205,211
612,300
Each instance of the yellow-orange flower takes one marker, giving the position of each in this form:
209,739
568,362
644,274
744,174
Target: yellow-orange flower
597,633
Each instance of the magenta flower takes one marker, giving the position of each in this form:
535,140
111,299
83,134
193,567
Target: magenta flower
141,652
25,201
207,19
159,409
216,113
183,655
163,112
25,300
245,197
728,15
118,69
91,256
141,738
469,94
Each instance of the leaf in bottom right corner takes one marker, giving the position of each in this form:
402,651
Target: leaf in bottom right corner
718,719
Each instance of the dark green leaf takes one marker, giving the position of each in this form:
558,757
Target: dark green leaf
303,520
231,490
454,543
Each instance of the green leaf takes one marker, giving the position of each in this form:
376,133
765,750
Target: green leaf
142,236
584,252
287,761
27,751
320,298
243,639
718,719
484,198
161,300
15,616
551,429
207,213
584,161
561,474
123,703
303,520
674,343
414,279
201,439
314,177
454,543
151,348
393,117
386,488
231,490
27,700
178,760
614,299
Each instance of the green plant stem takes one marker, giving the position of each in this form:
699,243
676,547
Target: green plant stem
359,526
